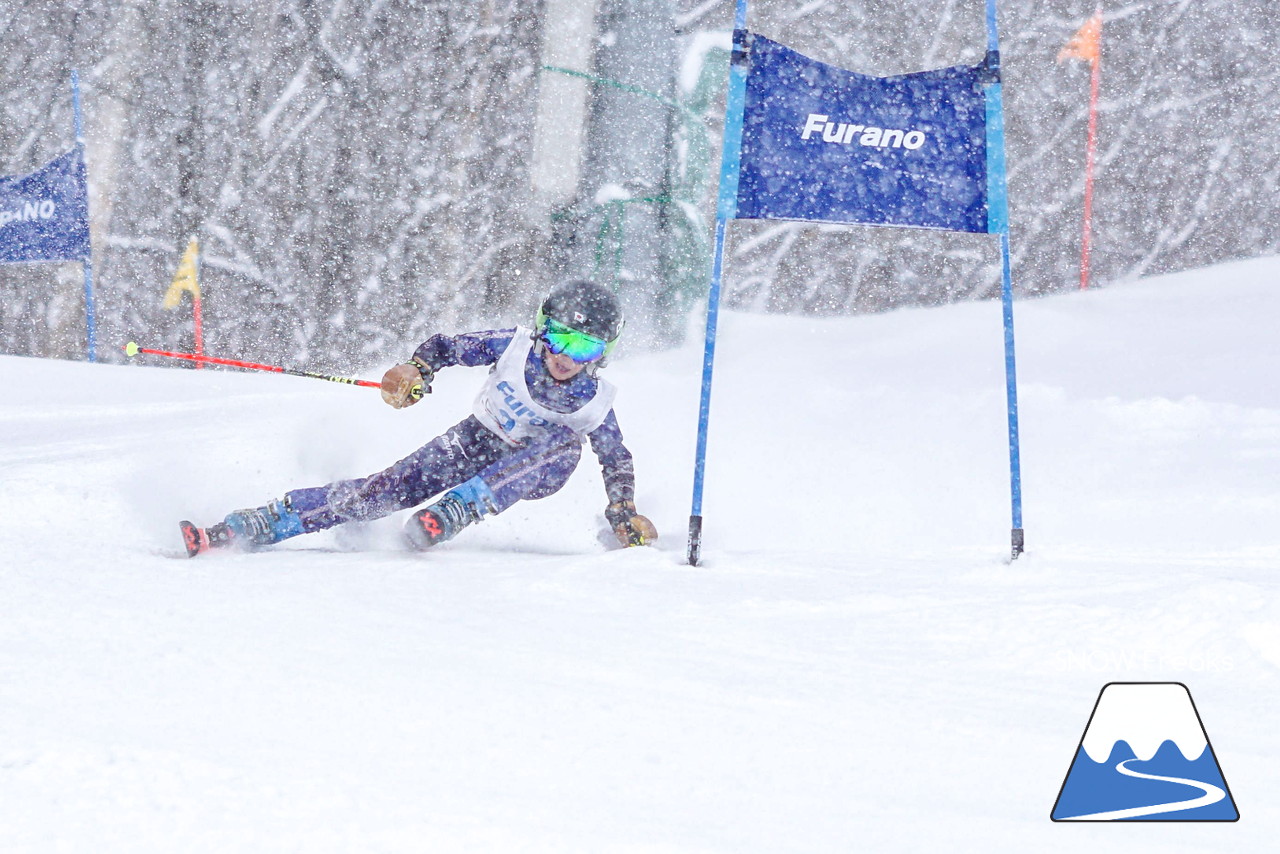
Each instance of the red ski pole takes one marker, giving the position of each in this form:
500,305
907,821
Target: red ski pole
132,349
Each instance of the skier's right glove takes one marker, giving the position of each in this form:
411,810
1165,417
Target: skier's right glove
404,385
630,527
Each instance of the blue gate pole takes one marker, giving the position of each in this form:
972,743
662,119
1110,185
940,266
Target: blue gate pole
90,325
726,209
998,223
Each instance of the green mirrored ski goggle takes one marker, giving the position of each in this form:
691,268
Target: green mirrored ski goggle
579,346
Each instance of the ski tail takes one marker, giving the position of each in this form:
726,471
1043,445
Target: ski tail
195,539
200,540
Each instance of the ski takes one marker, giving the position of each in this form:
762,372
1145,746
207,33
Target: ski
200,540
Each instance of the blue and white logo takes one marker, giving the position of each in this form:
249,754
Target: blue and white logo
1145,756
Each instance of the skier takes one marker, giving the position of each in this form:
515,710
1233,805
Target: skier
540,401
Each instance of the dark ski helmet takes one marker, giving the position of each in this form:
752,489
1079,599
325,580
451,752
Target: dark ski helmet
582,319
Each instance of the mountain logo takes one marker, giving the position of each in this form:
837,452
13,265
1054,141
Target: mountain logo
1144,756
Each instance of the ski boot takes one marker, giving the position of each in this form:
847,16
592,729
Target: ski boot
248,529
455,510
263,526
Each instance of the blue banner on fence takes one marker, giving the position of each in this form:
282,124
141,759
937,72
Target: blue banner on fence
44,216
825,144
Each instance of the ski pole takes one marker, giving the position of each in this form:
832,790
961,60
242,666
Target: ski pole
132,349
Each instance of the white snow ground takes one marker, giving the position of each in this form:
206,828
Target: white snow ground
858,666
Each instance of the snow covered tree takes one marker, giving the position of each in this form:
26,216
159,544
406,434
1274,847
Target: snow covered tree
359,174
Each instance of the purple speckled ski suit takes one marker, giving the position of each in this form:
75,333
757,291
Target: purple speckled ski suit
535,469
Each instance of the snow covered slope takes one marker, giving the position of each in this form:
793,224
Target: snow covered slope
857,666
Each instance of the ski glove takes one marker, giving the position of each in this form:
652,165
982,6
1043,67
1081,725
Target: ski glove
404,385
630,527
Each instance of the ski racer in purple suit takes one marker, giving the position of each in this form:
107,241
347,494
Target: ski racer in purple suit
540,402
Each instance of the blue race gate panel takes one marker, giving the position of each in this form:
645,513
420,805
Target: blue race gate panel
820,143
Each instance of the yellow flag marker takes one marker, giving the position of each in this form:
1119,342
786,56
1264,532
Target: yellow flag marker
185,279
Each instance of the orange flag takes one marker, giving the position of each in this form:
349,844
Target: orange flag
1086,44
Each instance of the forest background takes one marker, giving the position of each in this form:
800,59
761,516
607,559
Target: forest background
358,174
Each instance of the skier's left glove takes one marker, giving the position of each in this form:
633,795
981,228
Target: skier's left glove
628,526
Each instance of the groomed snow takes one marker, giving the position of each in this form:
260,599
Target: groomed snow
857,666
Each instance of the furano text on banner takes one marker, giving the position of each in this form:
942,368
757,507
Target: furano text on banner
44,216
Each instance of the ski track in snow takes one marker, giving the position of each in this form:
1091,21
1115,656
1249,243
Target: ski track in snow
1211,795
855,652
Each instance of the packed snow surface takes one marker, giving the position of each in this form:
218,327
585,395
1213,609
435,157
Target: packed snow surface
857,665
